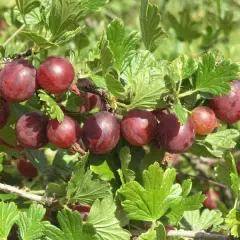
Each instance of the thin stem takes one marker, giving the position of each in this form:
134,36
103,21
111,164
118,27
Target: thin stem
197,235
122,105
13,36
190,92
24,194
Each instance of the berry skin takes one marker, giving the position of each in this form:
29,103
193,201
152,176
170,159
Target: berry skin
55,74
91,101
4,114
63,134
83,210
18,81
211,200
204,120
31,130
174,137
26,168
160,113
227,108
138,127
101,132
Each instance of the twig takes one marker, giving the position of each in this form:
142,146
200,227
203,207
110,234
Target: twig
24,194
13,36
204,179
198,235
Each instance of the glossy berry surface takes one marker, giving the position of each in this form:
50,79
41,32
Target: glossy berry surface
160,113
4,114
227,108
173,136
55,74
212,197
31,130
204,120
18,81
139,127
26,168
83,210
101,132
63,134
91,101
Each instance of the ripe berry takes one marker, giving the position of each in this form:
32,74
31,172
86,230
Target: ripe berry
91,101
212,197
227,108
173,136
26,168
4,114
18,81
101,132
204,120
160,113
31,130
63,134
83,210
138,127
55,74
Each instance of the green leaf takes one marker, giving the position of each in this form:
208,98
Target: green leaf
63,15
182,67
52,108
106,56
71,101
150,20
233,222
161,232
213,78
92,5
72,227
181,113
102,216
115,87
145,81
8,216
186,187
215,144
185,28
193,220
149,235
83,187
51,232
123,46
126,174
26,6
103,171
68,35
150,201
29,222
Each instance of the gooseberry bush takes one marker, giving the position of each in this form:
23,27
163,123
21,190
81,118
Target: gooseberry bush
119,120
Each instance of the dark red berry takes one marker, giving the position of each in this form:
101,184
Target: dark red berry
26,168
101,132
212,197
31,130
18,81
92,101
4,114
139,127
160,113
63,134
204,120
173,136
55,74
227,108
83,210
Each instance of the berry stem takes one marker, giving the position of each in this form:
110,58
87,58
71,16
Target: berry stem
190,92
